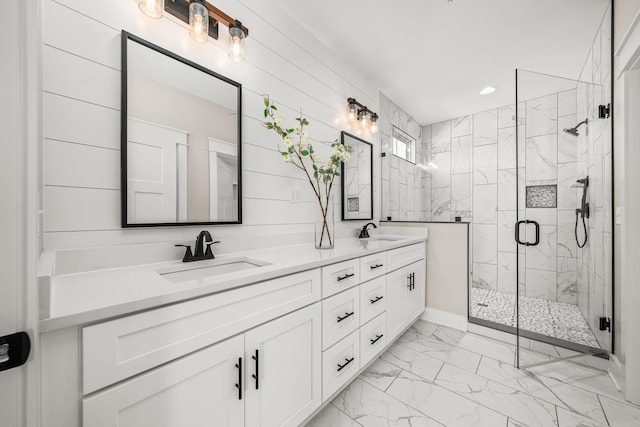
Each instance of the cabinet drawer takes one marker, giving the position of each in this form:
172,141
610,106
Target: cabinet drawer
118,349
373,338
400,257
340,316
339,364
373,299
338,277
373,266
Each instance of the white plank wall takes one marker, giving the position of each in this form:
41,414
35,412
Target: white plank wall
81,103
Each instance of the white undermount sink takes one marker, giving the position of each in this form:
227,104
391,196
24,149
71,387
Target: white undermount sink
386,238
201,269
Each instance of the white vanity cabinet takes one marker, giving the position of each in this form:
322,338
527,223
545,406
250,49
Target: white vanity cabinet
270,373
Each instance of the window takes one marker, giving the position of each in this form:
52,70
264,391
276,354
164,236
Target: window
403,145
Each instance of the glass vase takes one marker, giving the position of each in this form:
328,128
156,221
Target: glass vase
324,226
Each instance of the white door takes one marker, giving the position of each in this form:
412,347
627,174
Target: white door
284,383
19,151
415,293
397,288
152,172
196,391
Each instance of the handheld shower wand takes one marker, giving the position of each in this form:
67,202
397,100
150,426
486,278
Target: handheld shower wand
583,210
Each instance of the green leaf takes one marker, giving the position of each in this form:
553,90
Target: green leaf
266,101
266,113
273,107
304,152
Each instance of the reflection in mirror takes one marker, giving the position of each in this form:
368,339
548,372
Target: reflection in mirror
181,140
357,191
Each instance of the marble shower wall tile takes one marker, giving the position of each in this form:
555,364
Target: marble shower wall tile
485,243
567,102
461,202
542,157
485,164
485,204
507,148
441,171
441,137
485,128
485,276
542,116
461,154
461,126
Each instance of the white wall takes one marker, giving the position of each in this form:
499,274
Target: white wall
81,87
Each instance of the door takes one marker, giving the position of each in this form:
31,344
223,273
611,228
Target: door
20,50
397,287
415,290
200,390
284,369
152,172
562,232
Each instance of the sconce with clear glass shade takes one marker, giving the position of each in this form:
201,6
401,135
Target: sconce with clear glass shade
364,118
152,8
374,123
236,42
198,21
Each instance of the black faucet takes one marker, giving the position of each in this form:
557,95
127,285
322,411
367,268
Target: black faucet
201,253
364,233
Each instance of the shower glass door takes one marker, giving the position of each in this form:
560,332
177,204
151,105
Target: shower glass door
562,231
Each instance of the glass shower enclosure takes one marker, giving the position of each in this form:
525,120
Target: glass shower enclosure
553,215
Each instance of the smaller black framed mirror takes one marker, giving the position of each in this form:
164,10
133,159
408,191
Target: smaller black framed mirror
357,179
181,130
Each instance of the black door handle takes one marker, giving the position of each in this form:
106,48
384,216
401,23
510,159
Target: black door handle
373,267
341,367
239,384
346,276
537,229
255,376
376,339
376,299
346,315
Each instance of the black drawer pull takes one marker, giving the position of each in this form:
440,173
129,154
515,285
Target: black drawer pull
346,276
255,376
373,267
376,299
341,367
412,282
375,340
239,384
340,319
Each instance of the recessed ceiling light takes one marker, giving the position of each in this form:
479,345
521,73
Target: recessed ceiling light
487,90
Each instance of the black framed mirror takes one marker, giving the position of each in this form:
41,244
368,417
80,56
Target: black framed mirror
357,179
181,125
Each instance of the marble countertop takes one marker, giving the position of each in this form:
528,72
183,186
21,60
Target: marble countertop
90,296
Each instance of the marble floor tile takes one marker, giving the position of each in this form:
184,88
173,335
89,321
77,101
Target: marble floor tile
381,373
571,419
484,346
548,389
442,405
331,416
620,414
440,350
514,423
413,361
515,404
371,407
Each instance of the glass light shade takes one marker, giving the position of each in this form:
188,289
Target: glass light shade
374,126
352,112
364,120
198,22
236,43
152,8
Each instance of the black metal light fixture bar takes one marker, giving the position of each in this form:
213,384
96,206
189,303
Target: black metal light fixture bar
360,112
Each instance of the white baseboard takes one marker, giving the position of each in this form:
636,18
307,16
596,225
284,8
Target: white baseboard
616,371
445,318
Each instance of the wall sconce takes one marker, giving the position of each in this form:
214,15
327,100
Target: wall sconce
356,111
203,19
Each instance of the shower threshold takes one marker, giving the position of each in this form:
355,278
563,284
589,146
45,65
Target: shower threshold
541,318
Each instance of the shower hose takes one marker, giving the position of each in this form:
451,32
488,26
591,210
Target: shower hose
584,225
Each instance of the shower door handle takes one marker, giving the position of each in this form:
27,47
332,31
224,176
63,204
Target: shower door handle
537,228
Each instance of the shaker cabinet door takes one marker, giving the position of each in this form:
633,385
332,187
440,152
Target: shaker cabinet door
397,288
416,292
284,369
196,391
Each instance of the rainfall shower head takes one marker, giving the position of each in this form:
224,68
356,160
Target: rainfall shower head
574,130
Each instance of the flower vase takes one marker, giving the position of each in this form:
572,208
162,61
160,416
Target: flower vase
324,226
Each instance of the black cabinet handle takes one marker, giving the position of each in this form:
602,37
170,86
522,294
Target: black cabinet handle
255,376
410,277
239,384
376,299
346,315
373,267
376,339
413,281
347,361
346,276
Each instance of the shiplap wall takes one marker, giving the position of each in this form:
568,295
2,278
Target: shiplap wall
81,118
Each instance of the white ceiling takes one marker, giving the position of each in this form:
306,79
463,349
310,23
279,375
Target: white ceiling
432,57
